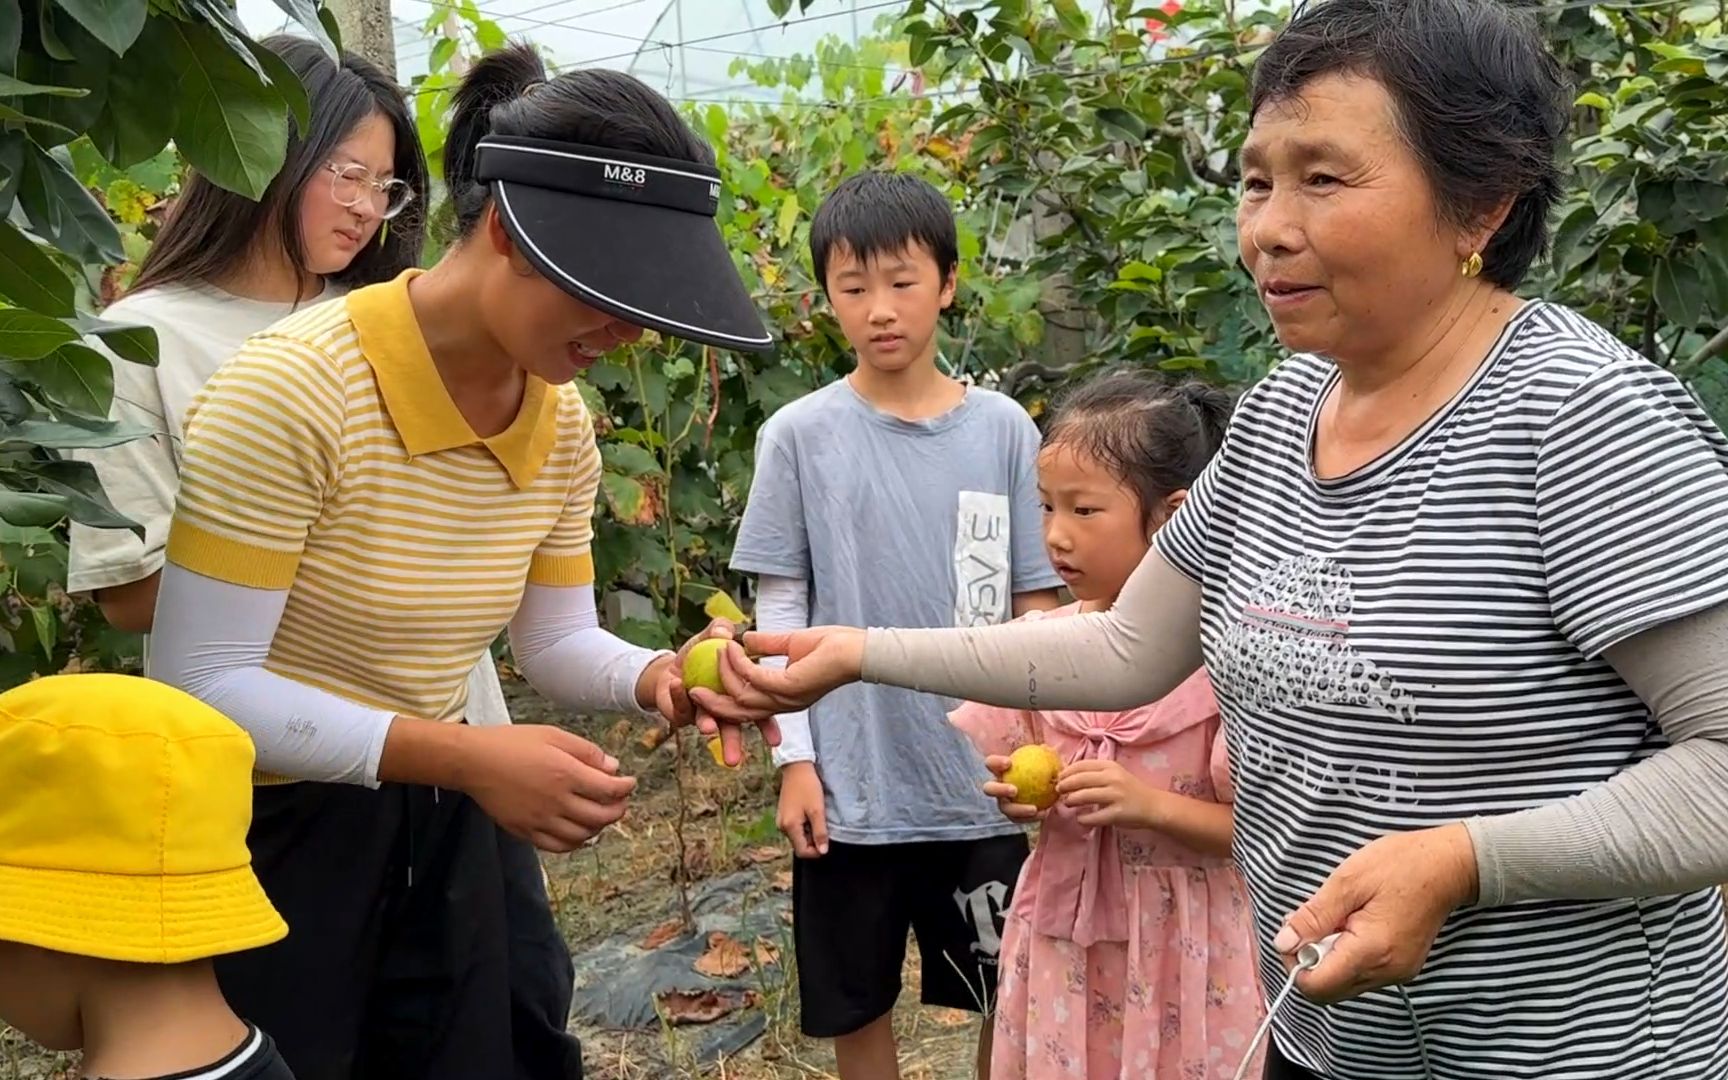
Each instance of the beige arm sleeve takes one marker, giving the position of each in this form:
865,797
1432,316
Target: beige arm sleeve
1133,654
1657,827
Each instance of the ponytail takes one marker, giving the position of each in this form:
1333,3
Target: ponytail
508,93
1154,438
1212,407
499,77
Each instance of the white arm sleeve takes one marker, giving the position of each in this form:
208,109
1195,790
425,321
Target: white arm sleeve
561,650
783,603
211,639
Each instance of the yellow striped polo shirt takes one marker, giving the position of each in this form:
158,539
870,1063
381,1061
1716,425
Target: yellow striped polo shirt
327,458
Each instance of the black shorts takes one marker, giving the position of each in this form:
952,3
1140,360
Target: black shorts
420,944
853,907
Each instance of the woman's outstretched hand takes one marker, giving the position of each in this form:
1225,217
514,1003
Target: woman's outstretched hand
819,660
681,706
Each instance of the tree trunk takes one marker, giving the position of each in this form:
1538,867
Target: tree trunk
367,30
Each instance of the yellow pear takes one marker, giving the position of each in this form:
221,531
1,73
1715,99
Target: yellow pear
1033,770
702,665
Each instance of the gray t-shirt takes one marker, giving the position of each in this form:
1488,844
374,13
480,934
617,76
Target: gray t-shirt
898,523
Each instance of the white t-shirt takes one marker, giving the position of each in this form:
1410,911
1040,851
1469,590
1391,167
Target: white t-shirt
198,327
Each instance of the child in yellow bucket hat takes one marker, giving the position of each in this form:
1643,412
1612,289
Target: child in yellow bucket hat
124,805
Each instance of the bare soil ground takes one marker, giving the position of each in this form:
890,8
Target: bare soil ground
626,880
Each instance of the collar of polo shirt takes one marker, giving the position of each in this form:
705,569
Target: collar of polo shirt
421,409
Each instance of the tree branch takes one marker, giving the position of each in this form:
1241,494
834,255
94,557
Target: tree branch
1716,346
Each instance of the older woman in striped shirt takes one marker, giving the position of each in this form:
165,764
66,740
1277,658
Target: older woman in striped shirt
1456,575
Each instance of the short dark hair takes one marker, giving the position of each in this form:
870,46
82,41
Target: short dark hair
1152,436
212,230
1477,94
879,213
508,93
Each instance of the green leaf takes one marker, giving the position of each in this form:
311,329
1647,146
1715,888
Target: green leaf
1594,100
86,503
73,376
43,617
489,35
115,23
1569,251
63,212
311,15
138,117
130,341
629,460
11,34
1068,13
30,508
1680,292
779,7
1702,201
29,278
624,495
332,29
55,435
24,537
11,167
787,220
57,118
231,127
14,406
49,35
7,112
25,335
441,54
1122,124
10,87
286,83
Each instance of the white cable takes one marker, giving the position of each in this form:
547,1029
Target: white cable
1308,957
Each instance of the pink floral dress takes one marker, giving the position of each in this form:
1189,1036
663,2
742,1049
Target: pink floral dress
1126,954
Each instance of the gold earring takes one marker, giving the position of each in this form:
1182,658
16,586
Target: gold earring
1472,266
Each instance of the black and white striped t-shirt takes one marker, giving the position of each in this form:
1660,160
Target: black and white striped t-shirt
1421,641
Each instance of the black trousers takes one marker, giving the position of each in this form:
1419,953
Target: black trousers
1279,1067
420,942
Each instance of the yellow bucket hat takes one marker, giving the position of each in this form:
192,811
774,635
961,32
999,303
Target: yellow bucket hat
124,805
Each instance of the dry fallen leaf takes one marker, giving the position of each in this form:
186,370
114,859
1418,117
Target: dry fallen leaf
663,933
697,860
653,737
725,958
783,881
702,1006
763,854
952,1017
620,732
767,953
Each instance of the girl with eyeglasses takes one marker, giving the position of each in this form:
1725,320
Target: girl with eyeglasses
346,210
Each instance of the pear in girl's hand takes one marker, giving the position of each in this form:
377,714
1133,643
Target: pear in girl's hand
1033,771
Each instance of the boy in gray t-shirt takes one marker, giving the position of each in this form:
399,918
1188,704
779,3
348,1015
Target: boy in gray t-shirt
895,497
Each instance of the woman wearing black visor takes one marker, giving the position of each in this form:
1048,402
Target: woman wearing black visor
371,490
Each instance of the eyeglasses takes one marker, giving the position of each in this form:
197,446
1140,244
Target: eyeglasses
351,183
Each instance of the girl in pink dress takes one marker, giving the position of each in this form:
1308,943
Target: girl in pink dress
1127,952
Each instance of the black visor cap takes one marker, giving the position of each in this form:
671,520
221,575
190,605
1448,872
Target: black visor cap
628,234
